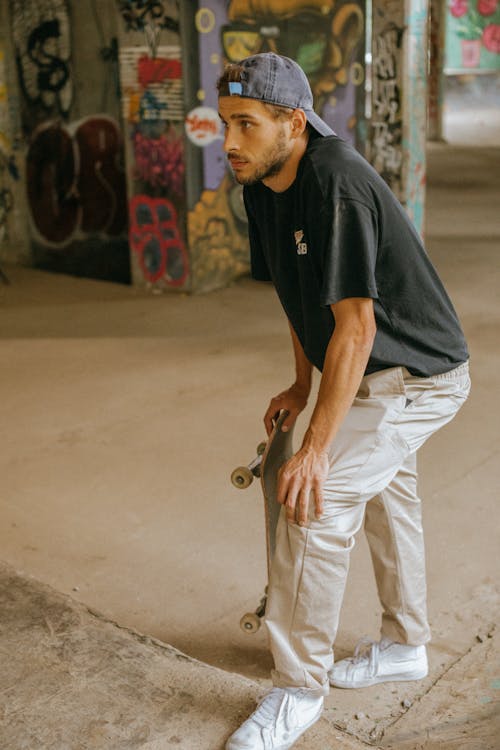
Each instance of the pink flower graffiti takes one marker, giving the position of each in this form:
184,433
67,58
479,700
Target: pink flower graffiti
487,7
491,38
458,8
159,161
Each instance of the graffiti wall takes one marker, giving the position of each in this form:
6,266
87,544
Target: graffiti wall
473,35
399,79
327,39
151,74
153,111
75,181
387,112
42,41
65,57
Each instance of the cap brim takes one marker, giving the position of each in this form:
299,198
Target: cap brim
317,123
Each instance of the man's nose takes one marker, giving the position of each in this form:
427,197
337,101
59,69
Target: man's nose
230,143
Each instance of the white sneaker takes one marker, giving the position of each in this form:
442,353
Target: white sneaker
383,661
279,720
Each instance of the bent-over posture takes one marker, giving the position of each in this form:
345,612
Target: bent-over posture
367,308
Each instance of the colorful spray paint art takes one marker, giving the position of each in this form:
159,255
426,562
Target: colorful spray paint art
76,181
152,89
156,240
203,126
159,162
326,37
473,35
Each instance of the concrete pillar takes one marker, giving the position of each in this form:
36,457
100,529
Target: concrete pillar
437,34
14,233
399,100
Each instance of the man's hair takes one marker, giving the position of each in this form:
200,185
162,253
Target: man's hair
232,74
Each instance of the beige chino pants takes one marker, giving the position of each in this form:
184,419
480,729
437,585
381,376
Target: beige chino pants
373,480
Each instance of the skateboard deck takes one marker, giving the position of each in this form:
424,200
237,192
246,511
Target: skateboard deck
270,457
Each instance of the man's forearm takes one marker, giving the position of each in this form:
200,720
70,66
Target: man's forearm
345,363
303,368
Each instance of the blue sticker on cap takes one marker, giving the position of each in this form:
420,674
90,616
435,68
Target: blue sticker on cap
235,88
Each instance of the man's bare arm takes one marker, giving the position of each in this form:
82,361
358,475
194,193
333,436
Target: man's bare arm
294,399
345,363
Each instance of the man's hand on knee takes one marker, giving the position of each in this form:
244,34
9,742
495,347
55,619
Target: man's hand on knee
302,476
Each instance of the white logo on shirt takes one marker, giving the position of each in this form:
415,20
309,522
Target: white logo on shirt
301,246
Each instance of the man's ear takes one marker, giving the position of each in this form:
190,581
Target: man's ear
298,122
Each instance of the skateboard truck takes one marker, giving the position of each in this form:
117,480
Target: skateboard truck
242,477
251,621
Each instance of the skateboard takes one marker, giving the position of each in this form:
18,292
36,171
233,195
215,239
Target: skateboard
270,457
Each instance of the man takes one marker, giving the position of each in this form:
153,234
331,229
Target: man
365,307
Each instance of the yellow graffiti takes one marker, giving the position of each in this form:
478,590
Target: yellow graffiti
347,28
219,250
204,20
134,106
357,74
240,10
347,31
240,44
5,145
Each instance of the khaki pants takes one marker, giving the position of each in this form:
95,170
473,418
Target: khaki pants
372,479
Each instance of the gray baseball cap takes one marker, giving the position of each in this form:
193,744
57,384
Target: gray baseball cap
279,80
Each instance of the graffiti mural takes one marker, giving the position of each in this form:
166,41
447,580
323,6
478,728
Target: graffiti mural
75,181
473,35
326,37
399,98
156,240
387,117
159,162
138,13
42,42
153,110
149,16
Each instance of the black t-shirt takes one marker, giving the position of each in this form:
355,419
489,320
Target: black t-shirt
339,232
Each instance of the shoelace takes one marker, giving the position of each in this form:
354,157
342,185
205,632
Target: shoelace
366,651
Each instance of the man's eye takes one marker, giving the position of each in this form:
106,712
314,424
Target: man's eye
245,124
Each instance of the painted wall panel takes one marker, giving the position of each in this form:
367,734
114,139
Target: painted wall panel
66,60
473,35
399,93
153,116
328,39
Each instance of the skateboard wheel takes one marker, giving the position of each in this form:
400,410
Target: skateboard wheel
250,622
261,448
242,477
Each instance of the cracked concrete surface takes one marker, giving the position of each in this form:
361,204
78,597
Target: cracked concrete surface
72,680
123,415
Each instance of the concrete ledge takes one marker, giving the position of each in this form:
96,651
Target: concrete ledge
72,680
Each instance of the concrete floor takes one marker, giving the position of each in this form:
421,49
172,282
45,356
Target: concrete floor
123,416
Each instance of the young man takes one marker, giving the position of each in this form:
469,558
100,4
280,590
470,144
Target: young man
365,307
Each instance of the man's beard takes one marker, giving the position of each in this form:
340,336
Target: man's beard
273,162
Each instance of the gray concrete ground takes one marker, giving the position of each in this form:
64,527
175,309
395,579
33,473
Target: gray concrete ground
122,417
72,680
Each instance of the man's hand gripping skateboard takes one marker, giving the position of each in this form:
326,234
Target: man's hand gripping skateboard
287,479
